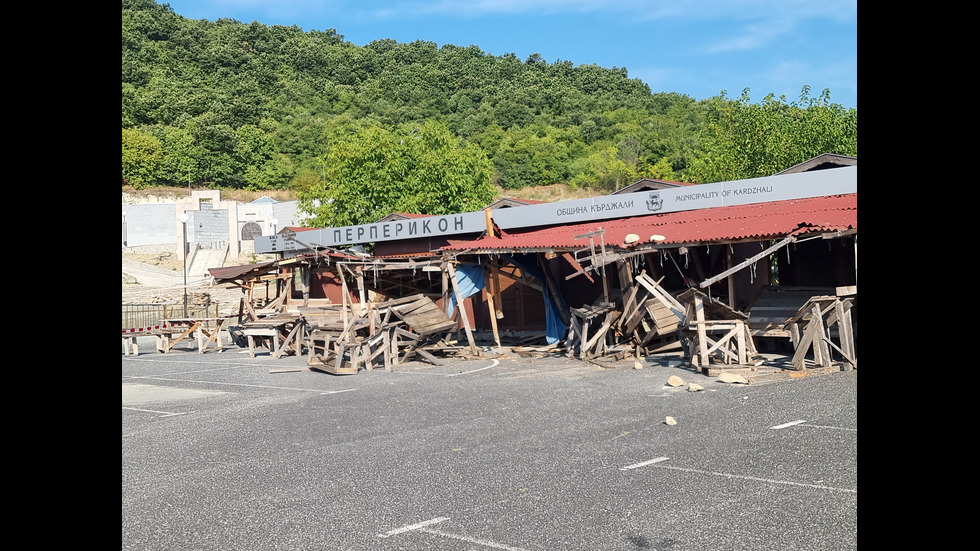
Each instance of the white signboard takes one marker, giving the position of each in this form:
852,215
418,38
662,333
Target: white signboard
784,187
429,226
739,192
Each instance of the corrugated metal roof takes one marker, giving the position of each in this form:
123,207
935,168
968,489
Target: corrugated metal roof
229,273
721,224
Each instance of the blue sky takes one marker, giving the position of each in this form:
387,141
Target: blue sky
692,47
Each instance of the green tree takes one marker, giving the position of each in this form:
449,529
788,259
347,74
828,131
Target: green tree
603,170
745,140
263,166
371,171
662,170
531,156
218,141
181,156
142,158
220,80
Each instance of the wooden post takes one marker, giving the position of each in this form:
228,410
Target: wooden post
574,336
461,306
498,300
306,275
740,342
844,328
702,336
821,354
445,288
489,217
627,288
360,285
605,281
584,346
343,285
729,261
488,283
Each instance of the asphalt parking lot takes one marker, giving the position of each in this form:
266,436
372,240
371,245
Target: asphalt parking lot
222,451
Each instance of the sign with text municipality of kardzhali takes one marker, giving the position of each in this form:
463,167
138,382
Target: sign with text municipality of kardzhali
784,187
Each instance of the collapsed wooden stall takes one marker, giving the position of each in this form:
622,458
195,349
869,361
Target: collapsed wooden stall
623,311
713,299
371,326
716,284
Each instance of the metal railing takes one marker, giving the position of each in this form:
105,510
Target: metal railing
148,316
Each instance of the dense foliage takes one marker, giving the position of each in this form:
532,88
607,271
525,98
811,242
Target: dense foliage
234,105
372,172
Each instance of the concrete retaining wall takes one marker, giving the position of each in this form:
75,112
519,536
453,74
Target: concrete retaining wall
155,224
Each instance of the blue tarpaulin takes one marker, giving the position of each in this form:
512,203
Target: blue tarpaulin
470,280
554,328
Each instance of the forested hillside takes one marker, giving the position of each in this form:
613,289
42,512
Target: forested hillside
227,104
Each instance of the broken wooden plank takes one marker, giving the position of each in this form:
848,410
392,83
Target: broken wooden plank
663,296
460,306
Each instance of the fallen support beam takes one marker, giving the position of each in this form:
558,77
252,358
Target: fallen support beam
460,306
706,283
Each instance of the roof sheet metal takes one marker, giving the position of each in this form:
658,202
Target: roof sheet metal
720,224
226,273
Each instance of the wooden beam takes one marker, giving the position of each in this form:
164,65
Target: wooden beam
579,270
461,307
748,261
360,291
729,259
523,280
600,262
596,340
305,272
665,298
605,284
626,286
488,283
702,336
498,299
486,213
343,285
591,235
446,288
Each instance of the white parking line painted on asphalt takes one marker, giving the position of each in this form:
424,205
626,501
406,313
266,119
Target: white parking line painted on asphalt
790,424
184,357
337,391
494,364
475,541
242,385
162,413
411,527
643,464
767,480
832,428
805,424
211,370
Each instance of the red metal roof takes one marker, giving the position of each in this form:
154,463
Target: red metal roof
721,224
